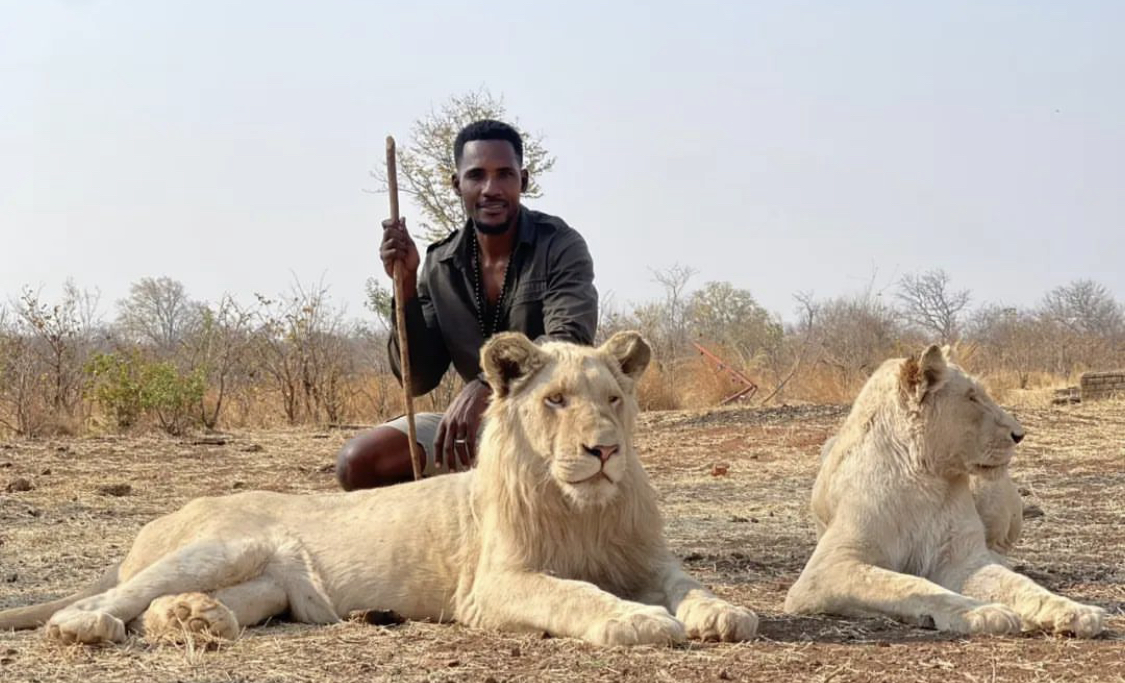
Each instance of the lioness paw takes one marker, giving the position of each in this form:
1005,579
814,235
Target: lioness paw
646,625
715,619
1067,616
181,617
76,626
993,619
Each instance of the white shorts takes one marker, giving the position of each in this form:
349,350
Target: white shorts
426,428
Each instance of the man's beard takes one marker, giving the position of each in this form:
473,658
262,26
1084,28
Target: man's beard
486,229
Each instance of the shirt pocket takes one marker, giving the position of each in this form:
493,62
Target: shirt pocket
530,290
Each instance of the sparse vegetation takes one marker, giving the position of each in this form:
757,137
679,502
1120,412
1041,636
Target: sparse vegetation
169,362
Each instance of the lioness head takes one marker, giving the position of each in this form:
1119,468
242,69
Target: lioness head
573,405
961,425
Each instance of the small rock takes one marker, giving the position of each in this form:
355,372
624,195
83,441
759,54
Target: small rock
739,520
252,448
238,485
453,662
46,471
693,557
11,578
209,441
19,484
720,469
5,465
377,617
1032,511
117,490
62,449
753,520
515,651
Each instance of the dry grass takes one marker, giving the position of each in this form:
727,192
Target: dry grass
745,533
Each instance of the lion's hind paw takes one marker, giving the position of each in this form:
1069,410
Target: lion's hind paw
189,616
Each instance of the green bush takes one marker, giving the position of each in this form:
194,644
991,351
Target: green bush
128,387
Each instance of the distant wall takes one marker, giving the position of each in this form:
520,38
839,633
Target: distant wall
1097,385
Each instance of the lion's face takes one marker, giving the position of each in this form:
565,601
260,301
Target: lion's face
575,405
962,424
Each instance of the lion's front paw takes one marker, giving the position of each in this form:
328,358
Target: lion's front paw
643,625
992,619
182,617
77,626
715,619
1066,616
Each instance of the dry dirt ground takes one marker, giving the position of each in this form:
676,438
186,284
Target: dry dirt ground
745,533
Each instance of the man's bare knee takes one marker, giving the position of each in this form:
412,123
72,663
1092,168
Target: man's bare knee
378,457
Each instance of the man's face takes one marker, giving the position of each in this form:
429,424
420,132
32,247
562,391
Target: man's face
489,181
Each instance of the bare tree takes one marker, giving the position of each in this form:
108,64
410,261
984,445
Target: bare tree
425,165
800,343
674,319
1012,340
218,347
855,334
60,336
158,311
929,303
301,345
1084,307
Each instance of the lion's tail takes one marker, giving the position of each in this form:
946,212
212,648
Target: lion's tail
34,616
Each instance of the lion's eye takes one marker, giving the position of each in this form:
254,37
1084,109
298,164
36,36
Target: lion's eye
556,400
614,400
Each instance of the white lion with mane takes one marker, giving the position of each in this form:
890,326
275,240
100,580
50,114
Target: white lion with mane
899,534
556,530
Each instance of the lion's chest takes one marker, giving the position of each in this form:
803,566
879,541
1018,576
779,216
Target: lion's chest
617,565
928,541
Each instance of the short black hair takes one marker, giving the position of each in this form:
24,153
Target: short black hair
487,129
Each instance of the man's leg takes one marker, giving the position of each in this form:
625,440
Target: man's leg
381,456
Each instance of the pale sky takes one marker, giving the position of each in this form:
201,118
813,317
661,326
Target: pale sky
783,146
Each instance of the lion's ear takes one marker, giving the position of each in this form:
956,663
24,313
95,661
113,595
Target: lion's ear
631,352
925,374
507,357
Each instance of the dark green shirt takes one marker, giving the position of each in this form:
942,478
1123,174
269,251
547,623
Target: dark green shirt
550,294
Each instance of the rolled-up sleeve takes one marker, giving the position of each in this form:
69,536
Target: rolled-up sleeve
570,303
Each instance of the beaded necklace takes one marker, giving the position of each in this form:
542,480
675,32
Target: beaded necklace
483,310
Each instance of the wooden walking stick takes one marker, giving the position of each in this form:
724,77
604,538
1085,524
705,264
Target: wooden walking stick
400,320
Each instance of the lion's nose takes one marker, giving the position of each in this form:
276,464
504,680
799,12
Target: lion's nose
601,452
1017,436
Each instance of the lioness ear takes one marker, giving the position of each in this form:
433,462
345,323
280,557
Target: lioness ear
631,351
507,357
924,375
